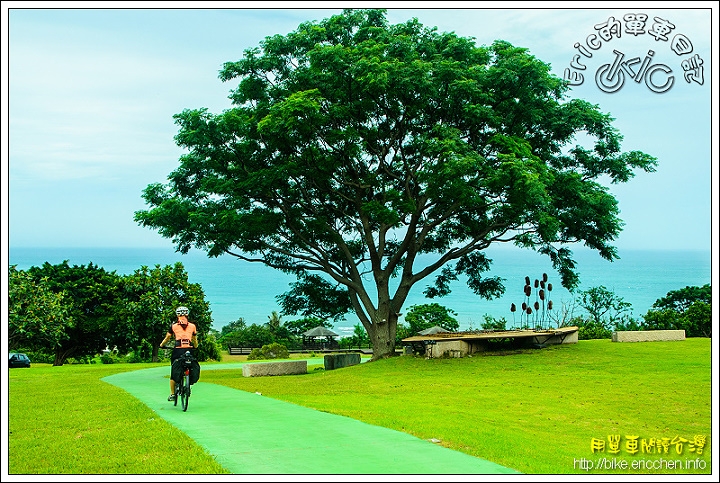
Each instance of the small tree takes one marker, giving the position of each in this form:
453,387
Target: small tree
358,340
607,312
604,306
424,316
150,297
255,336
491,323
210,347
686,309
563,315
279,331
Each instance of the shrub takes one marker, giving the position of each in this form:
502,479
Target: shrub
269,351
492,323
110,358
41,357
591,329
143,353
209,348
604,306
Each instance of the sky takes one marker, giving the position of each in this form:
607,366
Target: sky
89,95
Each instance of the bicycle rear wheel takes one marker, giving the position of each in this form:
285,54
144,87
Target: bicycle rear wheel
185,394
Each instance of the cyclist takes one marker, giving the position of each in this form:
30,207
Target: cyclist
185,334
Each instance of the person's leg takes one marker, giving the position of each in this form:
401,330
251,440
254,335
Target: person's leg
172,381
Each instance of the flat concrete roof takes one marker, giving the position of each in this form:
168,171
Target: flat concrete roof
490,334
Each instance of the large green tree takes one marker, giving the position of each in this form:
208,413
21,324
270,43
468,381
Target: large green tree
37,316
91,295
354,146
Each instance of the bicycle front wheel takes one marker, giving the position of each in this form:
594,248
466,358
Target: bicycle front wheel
185,392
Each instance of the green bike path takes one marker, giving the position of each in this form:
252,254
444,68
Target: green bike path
248,433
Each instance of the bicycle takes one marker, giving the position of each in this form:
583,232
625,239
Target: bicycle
182,388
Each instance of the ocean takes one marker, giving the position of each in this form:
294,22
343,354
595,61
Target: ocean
236,288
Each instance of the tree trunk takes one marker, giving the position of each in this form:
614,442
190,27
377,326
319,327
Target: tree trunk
383,336
62,355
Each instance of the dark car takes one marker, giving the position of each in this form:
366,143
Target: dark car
19,360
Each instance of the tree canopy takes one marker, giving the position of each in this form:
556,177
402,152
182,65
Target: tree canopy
150,297
353,147
78,311
688,309
425,316
37,316
91,296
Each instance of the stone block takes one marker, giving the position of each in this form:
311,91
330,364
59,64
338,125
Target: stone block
647,335
338,361
280,368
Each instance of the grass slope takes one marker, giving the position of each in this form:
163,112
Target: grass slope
65,420
536,411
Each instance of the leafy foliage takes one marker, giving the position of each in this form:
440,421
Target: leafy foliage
91,296
354,146
209,347
686,309
37,316
591,329
424,316
607,311
492,323
239,334
243,335
150,297
72,313
604,306
358,340
269,351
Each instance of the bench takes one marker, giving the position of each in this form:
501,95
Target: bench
337,361
647,335
279,368
239,351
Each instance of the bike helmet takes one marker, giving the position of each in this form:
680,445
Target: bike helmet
182,311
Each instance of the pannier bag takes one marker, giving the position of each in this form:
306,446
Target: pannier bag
177,371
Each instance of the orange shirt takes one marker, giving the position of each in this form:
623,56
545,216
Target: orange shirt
183,335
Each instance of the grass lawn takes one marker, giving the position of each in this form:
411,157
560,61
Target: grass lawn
537,411
65,420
